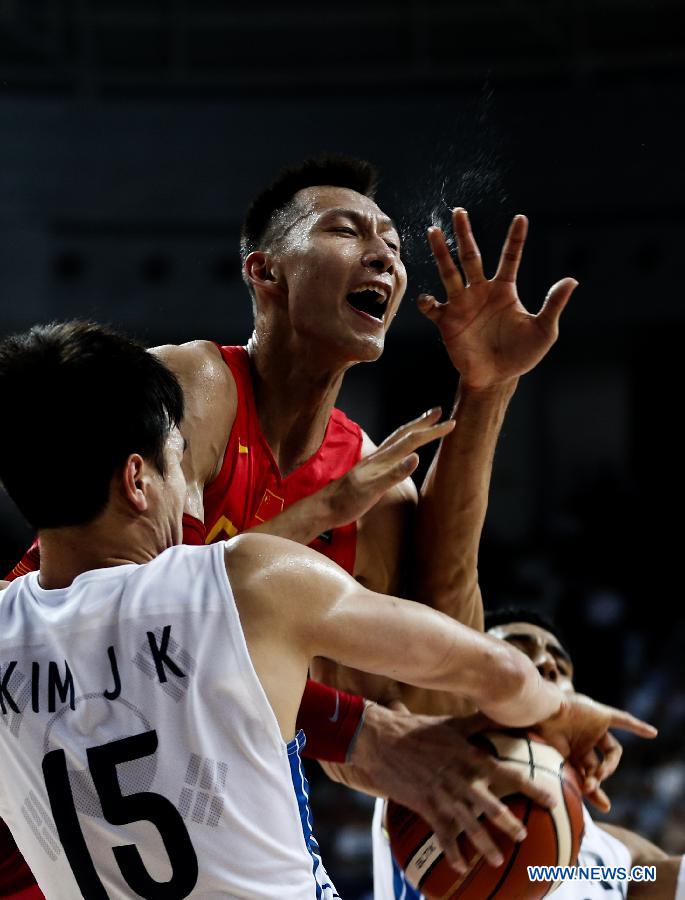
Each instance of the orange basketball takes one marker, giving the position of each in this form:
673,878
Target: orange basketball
554,835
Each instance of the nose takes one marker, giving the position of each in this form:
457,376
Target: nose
380,258
547,667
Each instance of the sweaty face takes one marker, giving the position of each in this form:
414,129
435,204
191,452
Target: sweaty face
542,648
339,261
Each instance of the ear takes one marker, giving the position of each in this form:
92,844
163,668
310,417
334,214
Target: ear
262,272
134,483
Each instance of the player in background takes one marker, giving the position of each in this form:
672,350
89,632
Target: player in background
125,648
603,844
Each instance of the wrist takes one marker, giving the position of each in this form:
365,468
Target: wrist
504,388
351,756
366,751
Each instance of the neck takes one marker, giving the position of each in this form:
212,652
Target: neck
295,389
66,553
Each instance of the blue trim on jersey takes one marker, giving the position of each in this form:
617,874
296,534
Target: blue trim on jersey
401,887
301,787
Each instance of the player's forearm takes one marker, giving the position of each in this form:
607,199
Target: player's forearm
642,851
453,503
500,680
668,885
405,641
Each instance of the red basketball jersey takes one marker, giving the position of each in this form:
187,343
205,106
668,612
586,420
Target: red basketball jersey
249,489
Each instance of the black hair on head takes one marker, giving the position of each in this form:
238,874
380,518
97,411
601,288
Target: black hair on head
335,171
510,614
96,397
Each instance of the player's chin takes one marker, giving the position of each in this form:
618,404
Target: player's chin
367,347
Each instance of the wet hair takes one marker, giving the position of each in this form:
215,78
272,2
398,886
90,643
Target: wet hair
510,614
82,399
259,229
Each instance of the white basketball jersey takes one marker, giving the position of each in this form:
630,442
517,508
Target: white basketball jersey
598,849
140,755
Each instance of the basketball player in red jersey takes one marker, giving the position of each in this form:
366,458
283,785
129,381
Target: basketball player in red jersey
268,450
324,269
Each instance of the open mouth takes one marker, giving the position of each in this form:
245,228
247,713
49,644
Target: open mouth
370,301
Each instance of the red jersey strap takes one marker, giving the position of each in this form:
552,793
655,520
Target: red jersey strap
194,531
250,489
30,562
330,720
16,880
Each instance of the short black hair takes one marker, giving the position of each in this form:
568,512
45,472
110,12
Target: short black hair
509,614
81,398
336,171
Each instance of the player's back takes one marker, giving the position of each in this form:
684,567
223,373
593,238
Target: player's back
140,754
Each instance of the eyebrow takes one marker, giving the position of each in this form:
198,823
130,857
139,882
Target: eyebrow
555,649
385,221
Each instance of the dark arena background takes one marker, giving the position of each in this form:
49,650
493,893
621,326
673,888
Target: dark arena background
133,135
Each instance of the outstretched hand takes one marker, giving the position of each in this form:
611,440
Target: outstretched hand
580,731
393,461
428,764
489,334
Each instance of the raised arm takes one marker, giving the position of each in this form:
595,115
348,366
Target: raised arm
491,339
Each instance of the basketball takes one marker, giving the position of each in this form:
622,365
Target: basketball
554,836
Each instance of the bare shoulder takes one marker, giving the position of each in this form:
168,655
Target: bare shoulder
277,577
266,556
211,400
195,362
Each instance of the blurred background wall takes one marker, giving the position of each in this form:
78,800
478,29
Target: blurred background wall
133,134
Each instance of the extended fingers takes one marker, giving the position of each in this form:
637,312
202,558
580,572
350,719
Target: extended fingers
439,813
409,439
512,250
461,818
622,719
430,307
425,419
599,799
555,302
511,780
588,764
485,801
447,269
467,248
611,751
